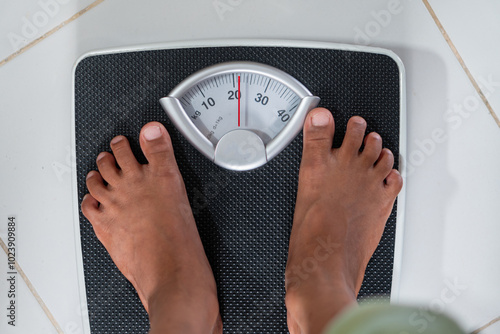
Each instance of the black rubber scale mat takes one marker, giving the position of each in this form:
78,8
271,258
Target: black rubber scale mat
245,218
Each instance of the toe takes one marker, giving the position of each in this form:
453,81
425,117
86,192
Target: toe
372,149
319,128
394,182
106,164
96,187
123,154
90,207
385,163
354,135
157,147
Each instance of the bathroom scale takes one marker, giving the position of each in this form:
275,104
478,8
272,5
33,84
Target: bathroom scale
234,110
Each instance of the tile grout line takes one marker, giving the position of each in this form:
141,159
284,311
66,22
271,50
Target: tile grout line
33,290
497,319
461,61
50,32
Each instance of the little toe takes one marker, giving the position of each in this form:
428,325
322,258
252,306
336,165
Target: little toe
384,163
319,129
96,187
123,154
355,133
90,207
157,147
394,182
372,149
106,164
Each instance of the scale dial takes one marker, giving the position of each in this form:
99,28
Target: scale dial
239,114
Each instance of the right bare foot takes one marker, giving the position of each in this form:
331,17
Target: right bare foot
142,216
344,200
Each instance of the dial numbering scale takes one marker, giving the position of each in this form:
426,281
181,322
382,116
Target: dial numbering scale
239,115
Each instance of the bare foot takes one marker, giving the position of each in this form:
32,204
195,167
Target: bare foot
143,218
344,199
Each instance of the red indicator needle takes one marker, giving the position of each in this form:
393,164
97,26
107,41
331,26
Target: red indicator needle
239,103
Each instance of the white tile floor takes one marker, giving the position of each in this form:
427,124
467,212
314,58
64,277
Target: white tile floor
493,329
25,21
475,30
452,188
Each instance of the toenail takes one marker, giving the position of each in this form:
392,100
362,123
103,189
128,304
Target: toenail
358,120
152,133
90,174
100,156
320,119
117,139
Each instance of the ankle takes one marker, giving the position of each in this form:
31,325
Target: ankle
312,306
184,312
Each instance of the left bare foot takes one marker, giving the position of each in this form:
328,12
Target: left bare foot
344,199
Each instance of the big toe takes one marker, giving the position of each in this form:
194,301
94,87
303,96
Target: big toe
157,147
319,129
